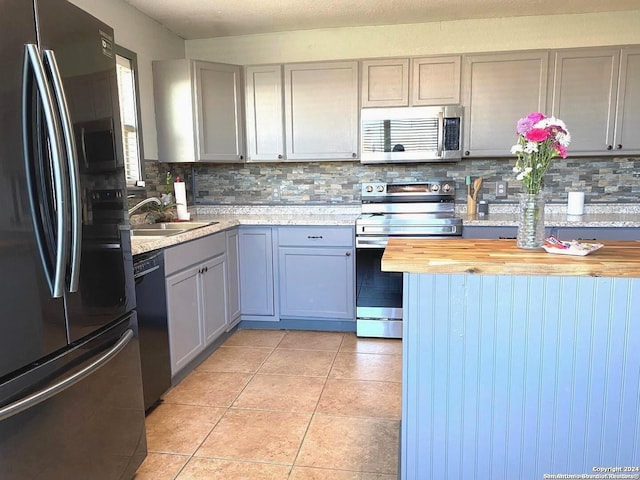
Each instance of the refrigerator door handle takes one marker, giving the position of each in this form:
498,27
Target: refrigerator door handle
72,167
53,390
33,65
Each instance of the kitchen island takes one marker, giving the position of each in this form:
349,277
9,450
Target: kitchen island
517,363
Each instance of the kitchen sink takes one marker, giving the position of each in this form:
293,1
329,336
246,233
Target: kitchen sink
165,229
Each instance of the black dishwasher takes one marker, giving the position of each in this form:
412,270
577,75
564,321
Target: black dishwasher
153,325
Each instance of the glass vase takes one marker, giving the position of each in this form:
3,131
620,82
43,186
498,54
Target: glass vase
531,220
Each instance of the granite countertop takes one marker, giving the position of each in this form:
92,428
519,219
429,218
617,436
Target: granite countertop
611,215
232,216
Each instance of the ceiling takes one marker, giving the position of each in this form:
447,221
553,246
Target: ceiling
193,19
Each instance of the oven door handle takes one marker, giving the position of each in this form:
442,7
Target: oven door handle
371,242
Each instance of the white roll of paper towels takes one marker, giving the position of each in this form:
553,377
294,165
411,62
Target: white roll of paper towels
575,203
181,200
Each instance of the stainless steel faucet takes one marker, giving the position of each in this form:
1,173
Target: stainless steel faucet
143,203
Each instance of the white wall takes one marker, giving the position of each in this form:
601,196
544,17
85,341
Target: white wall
520,33
150,41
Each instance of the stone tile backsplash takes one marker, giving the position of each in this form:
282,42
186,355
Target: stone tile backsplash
604,180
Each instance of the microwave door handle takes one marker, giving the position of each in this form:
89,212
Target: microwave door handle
440,132
33,63
72,168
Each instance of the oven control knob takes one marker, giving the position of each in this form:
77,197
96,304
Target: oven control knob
380,188
435,187
369,189
446,187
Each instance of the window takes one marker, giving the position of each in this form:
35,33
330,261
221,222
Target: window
126,66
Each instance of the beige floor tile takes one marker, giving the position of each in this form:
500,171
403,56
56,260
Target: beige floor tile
214,469
216,389
354,444
367,366
161,466
282,393
173,428
235,359
390,346
312,340
256,435
255,338
313,363
306,473
357,398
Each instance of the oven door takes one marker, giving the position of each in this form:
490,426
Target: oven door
378,293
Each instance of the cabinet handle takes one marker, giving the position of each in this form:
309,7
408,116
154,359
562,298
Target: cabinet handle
206,269
348,254
314,237
241,157
619,147
467,153
280,157
609,147
354,155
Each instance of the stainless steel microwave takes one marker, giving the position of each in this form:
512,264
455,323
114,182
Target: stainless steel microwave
411,134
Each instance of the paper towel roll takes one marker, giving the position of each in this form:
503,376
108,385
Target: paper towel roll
575,203
181,200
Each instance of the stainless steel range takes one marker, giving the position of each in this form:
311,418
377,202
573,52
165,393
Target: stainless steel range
407,210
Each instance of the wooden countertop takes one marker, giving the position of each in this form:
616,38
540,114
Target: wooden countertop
503,257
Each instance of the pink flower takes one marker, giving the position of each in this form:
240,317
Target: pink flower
562,151
537,135
535,117
524,125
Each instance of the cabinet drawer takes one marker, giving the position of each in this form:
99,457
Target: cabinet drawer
189,253
315,236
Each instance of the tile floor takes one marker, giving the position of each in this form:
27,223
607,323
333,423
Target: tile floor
276,405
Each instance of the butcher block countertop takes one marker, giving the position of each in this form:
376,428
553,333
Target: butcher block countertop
503,257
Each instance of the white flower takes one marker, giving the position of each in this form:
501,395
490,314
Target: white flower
539,165
521,176
516,169
531,147
528,170
564,139
516,149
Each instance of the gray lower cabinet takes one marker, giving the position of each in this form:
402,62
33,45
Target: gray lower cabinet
256,273
196,280
316,272
489,232
233,278
596,233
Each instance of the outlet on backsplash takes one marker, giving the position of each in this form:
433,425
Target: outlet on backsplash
501,190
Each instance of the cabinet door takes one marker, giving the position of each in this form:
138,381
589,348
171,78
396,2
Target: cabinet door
498,90
233,278
435,80
218,97
627,139
584,95
385,83
256,272
265,127
321,111
214,299
317,282
186,337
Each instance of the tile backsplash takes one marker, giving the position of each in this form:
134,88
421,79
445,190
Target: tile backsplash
604,180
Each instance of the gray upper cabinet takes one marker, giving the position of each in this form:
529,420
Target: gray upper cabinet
385,82
626,139
435,80
400,82
585,84
498,89
321,111
199,111
265,122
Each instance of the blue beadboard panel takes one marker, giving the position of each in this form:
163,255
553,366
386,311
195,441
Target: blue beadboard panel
512,377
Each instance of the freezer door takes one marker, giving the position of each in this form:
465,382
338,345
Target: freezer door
83,418
32,324
83,56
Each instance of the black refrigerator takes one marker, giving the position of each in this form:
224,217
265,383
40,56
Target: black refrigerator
71,403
